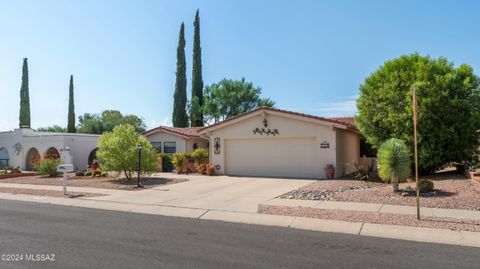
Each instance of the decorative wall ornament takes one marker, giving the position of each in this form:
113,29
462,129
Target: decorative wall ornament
325,145
262,131
216,145
265,130
18,148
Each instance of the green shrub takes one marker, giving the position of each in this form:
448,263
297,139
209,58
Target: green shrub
48,167
167,165
80,173
394,162
183,162
118,151
200,156
16,170
449,108
425,185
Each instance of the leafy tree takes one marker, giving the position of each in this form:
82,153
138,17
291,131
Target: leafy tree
449,108
196,118
90,124
54,128
118,151
24,97
394,162
71,109
229,98
179,115
136,122
110,119
106,121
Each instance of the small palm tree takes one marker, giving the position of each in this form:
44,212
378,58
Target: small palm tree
394,162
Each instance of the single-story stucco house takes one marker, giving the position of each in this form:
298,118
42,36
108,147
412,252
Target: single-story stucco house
269,142
20,146
279,143
171,139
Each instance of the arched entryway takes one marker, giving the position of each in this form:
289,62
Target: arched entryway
52,153
33,157
92,156
4,158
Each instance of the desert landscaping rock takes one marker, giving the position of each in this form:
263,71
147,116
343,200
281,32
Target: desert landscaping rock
452,190
322,195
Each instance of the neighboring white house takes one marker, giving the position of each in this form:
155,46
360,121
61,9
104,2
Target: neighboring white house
20,146
171,139
278,143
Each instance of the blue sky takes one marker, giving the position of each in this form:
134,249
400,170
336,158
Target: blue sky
308,56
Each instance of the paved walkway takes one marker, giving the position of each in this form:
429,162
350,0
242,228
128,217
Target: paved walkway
235,199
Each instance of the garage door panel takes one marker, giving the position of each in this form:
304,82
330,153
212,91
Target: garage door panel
273,157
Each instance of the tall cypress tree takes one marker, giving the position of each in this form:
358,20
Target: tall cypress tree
197,81
71,109
24,98
179,115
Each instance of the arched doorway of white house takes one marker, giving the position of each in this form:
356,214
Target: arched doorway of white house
33,156
92,156
52,153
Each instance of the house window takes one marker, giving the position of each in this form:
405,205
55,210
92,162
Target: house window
195,146
157,146
169,147
3,163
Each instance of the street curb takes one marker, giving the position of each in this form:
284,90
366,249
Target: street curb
410,233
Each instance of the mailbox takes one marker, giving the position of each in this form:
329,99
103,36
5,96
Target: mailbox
65,168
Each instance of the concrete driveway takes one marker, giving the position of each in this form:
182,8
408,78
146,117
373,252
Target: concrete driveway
242,194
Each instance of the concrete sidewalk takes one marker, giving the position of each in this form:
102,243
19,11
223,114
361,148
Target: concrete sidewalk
236,199
380,208
443,236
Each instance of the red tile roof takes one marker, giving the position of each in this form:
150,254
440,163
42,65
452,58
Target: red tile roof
188,131
348,120
194,131
342,121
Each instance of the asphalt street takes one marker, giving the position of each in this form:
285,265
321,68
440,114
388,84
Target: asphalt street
90,238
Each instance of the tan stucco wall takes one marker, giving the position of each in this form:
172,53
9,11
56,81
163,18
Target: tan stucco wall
183,145
288,129
348,151
166,137
201,143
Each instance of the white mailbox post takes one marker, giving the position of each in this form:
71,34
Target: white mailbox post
65,168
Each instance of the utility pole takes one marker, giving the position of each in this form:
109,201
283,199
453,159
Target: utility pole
415,118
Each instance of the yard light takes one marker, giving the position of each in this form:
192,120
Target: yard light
139,147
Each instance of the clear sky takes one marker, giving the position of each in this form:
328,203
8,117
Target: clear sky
308,56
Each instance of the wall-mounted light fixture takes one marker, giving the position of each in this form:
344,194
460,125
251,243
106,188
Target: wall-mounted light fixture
216,145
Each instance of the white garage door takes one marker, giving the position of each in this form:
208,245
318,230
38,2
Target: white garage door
272,157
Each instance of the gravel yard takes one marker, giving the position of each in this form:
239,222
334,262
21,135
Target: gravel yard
452,190
372,217
98,182
48,193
